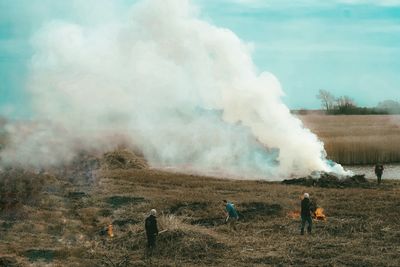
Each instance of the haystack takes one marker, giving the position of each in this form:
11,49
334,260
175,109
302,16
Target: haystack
177,242
123,159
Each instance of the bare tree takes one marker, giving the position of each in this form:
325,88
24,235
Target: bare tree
327,100
345,105
345,102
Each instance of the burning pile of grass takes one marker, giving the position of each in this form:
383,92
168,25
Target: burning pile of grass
317,212
330,180
123,159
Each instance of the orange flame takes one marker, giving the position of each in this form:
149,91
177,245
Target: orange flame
293,214
319,214
110,230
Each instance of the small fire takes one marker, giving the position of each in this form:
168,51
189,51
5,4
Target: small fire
110,230
293,214
319,214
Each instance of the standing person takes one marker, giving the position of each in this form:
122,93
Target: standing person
379,172
151,229
306,213
231,213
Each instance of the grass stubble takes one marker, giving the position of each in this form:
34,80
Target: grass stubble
62,229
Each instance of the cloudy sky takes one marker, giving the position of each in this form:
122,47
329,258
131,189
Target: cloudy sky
348,47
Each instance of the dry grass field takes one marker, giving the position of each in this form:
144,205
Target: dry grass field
358,139
62,226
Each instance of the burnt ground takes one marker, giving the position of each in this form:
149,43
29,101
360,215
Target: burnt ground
64,225
330,180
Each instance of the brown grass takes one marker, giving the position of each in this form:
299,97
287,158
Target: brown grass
365,139
18,187
362,228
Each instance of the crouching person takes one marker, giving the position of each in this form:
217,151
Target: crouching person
306,213
231,214
151,230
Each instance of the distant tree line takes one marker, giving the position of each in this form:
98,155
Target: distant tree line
345,105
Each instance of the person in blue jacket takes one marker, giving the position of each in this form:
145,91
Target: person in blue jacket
231,213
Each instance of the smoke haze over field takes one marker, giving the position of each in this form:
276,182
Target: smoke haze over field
183,91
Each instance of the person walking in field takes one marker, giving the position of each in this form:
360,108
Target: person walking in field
378,172
306,214
151,230
231,213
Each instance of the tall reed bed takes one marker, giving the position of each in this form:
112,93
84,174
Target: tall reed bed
358,139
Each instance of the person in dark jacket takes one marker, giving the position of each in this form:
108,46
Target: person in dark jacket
306,213
151,229
379,172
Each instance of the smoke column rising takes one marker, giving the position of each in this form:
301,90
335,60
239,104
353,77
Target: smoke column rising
182,90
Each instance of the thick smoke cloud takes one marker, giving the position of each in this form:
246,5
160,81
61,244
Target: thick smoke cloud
183,91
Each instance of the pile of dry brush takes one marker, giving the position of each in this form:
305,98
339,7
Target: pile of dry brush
330,180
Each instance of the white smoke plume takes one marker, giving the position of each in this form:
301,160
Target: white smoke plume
182,90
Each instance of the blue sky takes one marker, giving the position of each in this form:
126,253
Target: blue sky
348,47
